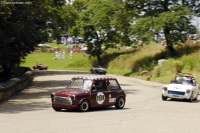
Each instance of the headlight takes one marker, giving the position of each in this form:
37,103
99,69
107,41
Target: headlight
165,88
73,97
187,91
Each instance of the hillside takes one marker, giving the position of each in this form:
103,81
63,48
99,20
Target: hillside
137,62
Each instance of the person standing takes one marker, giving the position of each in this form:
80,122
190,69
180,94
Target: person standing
63,54
71,53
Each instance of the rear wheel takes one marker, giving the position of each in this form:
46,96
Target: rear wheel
84,106
120,103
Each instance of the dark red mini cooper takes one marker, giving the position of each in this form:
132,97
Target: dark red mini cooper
40,67
87,92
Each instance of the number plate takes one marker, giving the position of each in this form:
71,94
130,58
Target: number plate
175,95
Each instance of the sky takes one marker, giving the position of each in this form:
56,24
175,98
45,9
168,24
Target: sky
196,22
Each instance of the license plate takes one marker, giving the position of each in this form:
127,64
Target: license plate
175,95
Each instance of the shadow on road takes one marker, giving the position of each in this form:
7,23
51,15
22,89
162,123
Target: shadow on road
101,109
37,96
184,100
56,72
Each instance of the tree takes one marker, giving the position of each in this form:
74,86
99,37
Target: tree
169,17
99,25
22,27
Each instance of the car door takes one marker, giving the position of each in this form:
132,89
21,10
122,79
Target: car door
99,94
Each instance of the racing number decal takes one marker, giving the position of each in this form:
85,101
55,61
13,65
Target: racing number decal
100,98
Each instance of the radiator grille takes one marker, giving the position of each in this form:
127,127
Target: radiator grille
176,93
63,100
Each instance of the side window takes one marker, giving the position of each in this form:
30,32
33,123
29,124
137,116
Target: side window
99,85
112,84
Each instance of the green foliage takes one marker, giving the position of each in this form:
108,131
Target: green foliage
24,26
78,62
187,63
179,66
99,24
171,18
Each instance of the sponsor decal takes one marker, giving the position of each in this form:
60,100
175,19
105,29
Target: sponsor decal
100,98
112,100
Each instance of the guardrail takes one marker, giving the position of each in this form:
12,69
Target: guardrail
15,85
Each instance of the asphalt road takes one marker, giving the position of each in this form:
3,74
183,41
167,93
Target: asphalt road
30,111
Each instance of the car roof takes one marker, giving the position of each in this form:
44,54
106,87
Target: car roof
94,77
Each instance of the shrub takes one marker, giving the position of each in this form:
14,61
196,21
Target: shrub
179,66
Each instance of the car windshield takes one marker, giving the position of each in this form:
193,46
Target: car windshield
80,83
184,80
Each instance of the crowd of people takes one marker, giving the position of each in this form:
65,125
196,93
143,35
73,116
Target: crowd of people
61,54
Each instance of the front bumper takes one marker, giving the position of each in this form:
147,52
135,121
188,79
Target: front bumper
64,106
176,94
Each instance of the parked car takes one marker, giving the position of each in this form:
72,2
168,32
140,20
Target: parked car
98,70
183,86
85,92
40,67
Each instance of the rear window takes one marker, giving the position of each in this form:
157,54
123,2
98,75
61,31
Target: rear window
112,84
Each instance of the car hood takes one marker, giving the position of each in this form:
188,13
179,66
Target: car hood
69,92
178,87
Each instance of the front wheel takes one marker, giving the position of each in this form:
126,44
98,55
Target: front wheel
120,103
164,98
84,106
196,97
56,108
191,98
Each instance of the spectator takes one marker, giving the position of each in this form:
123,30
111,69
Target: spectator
71,54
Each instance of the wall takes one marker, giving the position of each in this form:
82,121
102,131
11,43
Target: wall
15,85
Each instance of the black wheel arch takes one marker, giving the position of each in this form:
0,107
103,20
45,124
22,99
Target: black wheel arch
83,100
120,97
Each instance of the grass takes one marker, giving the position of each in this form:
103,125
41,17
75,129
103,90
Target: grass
78,62
128,62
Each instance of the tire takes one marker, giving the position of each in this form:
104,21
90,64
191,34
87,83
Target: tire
196,97
56,108
191,98
120,103
164,98
84,106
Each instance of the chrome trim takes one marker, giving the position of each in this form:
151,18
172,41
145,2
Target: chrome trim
62,100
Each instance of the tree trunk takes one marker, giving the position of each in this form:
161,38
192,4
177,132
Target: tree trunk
6,73
99,60
169,42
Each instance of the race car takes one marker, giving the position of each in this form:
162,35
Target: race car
40,67
98,70
85,92
183,86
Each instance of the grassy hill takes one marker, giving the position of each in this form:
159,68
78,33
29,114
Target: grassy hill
141,62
